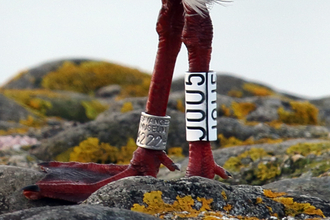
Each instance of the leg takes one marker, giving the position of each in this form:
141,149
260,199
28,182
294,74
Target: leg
169,28
197,36
144,161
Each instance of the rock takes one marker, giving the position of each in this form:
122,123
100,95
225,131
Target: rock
115,128
108,91
12,180
81,212
311,187
31,79
323,105
8,141
271,162
6,110
197,194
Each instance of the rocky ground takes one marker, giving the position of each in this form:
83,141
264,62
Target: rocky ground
276,146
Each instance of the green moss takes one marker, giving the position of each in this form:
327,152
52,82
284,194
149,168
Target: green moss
302,113
90,76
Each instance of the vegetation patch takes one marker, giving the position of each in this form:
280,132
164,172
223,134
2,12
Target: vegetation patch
235,163
235,93
309,148
233,141
180,106
91,150
182,207
293,208
301,113
257,90
33,99
93,108
89,76
127,107
175,152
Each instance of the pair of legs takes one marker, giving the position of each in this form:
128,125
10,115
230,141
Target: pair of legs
177,23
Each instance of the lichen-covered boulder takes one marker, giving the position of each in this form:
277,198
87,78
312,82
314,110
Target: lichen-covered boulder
12,180
115,129
309,186
196,198
83,76
264,163
82,212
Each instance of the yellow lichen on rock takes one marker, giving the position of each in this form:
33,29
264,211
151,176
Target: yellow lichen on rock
270,194
127,107
126,152
90,150
180,106
257,90
258,200
303,113
309,148
32,98
235,164
267,171
293,208
93,108
182,207
233,141
235,93
175,152
226,111
31,122
227,208
242,109
224,195
88,76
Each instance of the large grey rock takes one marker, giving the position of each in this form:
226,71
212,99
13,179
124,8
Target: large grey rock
82,212
12,180
115,128
32,78
243,199
312,187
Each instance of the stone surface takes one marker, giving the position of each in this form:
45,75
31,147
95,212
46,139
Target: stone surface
82,212
312,187
108,91
12,180
243,200
6,110
32,78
